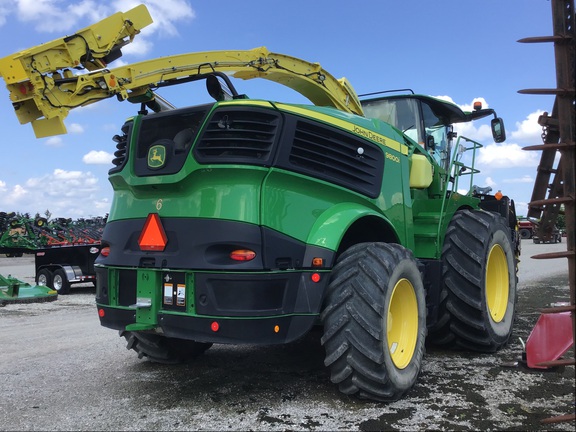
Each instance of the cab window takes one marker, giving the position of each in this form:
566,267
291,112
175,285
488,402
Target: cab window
436,136
400,113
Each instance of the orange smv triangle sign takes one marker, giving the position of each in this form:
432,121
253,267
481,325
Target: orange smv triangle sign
153,237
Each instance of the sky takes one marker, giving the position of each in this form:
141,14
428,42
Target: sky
463,50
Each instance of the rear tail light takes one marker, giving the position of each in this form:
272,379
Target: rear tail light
242,255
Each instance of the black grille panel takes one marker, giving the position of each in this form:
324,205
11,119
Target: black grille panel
126,287
337,157
238,136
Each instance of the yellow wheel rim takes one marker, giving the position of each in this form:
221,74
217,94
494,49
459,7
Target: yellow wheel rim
402,323
497,283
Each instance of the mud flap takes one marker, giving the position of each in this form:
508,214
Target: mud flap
550,338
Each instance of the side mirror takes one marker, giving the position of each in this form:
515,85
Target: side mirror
498,131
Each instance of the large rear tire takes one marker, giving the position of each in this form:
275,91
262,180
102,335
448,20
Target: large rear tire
374,319
162,349
478,297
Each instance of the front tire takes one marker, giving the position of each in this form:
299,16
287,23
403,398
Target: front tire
162,349
478,296
374,320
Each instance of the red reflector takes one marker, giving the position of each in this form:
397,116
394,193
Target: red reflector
152,237
215,326
315,277
105,251
101,313
242,255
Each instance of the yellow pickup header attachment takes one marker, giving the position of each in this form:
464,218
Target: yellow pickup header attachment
30,75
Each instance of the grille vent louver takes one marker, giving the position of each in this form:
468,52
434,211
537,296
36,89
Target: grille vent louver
238,136
337,158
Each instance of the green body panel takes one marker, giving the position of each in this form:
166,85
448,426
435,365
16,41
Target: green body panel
431,219
219,192
330,227
319,213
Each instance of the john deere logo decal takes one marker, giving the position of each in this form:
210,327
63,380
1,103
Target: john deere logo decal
156,156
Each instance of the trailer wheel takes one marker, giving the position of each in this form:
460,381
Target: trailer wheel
60,282
374,320
162,349
525,233
478,296
44,278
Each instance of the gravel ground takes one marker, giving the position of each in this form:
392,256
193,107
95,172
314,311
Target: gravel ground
60,370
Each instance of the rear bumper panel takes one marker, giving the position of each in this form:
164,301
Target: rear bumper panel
271,330
258,308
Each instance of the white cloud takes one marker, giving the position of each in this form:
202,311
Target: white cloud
98,158
446,98
2,186
5,9
482,133
521,208
64,193
75,128
50,16
19,192
528,130
506,156
54,141
11,196
139,46
523,179
490,182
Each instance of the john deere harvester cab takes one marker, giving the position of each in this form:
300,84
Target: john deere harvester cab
252,221
429,121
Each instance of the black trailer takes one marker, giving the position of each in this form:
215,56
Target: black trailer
59,267
14,252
